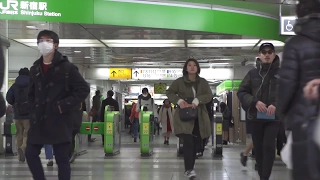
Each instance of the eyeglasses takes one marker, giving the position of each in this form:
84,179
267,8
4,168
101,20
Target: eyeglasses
267,52
45,40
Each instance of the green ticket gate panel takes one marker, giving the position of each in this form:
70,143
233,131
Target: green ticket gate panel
112,135
97,128
86,128
146,133
13,129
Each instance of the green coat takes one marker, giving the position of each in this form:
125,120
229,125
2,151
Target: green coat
182,89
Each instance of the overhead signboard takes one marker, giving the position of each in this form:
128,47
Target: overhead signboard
47,10
173,74
156,73
287,25
120,73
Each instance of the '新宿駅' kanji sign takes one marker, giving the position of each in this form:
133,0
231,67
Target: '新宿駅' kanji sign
47,10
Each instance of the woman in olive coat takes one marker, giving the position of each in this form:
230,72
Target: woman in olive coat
191,86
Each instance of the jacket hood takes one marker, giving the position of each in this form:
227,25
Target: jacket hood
57,59
22,80
309,26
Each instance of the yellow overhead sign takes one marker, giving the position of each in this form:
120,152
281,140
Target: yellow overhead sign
120,73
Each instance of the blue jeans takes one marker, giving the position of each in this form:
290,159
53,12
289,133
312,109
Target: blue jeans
135,127
49,151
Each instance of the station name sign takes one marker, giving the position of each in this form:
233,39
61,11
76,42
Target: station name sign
26,8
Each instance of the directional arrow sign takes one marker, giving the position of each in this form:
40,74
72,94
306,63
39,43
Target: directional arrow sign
113,73
136,73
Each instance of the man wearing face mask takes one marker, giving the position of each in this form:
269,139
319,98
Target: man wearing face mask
55,94
257,94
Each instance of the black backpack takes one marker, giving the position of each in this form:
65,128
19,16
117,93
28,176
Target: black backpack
21,105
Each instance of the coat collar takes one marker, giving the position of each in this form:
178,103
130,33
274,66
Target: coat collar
57,59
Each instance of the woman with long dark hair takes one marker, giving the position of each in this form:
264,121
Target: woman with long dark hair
191,91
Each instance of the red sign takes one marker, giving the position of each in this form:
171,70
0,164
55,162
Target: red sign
88,128
96,128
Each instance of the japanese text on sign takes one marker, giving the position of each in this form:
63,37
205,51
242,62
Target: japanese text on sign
156,73
27,8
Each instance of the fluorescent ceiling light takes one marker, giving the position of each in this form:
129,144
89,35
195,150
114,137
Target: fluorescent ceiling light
31,27
87,57
156,43
77,51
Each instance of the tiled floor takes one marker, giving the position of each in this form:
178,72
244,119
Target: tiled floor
164,165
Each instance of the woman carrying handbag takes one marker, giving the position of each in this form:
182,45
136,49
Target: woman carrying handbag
191,121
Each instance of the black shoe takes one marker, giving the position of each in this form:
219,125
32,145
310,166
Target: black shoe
243,159
165,142
168,142
73,157
50,163
225,142
134,139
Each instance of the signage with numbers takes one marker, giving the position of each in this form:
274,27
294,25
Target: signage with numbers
156,73
120,73
71,11
287,25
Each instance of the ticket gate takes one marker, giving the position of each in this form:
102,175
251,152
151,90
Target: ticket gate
9,133
146,132
217,148
112,132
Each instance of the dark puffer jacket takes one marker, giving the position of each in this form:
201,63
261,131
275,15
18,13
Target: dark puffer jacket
301,64
253,89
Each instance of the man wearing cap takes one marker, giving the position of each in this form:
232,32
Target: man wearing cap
257,94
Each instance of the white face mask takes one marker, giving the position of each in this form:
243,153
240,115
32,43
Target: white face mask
45,48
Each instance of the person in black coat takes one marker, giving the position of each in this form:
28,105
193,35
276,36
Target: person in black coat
55,93
300,64
112,103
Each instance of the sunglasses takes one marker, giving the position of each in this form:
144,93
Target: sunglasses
266,52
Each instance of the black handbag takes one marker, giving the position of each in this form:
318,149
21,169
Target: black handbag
188,113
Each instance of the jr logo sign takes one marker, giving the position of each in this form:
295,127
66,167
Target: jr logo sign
9,5
26,8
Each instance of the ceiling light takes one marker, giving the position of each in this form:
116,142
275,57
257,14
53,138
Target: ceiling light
31,27
87,57
77,51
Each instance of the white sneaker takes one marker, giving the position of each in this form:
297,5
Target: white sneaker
191,175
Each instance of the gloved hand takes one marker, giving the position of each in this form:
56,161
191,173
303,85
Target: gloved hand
2,102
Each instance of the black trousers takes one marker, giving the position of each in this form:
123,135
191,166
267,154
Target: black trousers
264,135
61,152
191,144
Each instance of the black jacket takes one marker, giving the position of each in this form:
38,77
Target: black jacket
301,64
253,88
21,81
49,91
108,102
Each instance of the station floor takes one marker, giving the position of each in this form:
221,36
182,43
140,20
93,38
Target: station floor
129,165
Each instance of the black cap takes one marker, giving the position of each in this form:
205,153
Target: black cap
264,45
145,90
